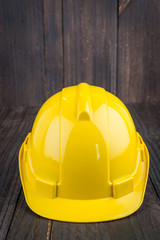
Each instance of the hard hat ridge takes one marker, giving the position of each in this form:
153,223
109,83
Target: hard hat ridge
84,108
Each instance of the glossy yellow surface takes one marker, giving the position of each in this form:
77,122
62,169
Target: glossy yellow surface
83,160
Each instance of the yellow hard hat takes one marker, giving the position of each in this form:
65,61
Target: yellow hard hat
83,160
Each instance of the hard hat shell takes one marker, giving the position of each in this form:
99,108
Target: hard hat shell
83,160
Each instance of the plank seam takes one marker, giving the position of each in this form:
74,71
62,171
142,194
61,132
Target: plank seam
63,50
13,213
48,235
44,51
117,49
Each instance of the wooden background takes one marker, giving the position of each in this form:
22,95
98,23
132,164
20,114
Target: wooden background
48,44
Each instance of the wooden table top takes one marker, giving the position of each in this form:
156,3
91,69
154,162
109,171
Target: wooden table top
17,221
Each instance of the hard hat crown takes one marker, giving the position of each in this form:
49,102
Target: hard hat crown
84,146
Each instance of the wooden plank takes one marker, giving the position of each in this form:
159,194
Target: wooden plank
14,128
92,231
138,51
28,225
3,114
53,52
123,4
104,231
61,230
21,58
90,39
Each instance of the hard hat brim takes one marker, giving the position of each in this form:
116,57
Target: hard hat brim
84,210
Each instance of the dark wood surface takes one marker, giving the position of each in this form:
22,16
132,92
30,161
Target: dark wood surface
48,44
53,46
90,38
18,222
21,53
138,51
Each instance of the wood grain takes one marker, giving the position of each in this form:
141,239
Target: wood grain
57,43
123,5
14,127
90,40
28,225
21,53
21,223
31,59
53,49
138,52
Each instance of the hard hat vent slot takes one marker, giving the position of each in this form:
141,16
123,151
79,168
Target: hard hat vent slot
26,141
141,147
140,139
